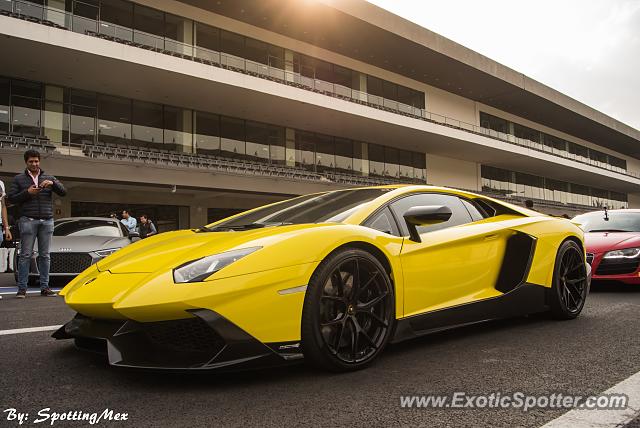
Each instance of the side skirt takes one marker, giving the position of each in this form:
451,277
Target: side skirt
524,299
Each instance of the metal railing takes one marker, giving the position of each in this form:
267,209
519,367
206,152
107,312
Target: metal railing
61,19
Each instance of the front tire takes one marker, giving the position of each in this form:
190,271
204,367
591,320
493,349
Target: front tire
570,284
349,311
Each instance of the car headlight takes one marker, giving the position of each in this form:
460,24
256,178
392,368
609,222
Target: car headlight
197,270
107,252
627,253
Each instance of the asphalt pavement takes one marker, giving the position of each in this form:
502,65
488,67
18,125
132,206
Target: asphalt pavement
533,355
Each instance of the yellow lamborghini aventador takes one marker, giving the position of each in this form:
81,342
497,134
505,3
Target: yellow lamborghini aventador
329,277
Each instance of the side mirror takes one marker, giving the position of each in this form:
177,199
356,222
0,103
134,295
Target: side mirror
134,236
425,216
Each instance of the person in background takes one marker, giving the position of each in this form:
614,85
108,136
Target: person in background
33,190
128,221
147,228
6,232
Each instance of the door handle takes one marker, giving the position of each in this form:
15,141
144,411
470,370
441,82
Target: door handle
491,237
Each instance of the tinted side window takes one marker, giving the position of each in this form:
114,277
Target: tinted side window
475,211
459,215
123,229
384,222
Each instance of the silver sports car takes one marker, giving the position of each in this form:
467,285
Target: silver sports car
77,243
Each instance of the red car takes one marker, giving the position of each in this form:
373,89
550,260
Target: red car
612,238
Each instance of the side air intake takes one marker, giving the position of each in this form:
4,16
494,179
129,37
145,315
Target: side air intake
516,262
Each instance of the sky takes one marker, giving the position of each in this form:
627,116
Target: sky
586,49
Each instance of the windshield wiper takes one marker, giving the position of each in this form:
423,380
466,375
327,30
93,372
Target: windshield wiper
608,230
241,227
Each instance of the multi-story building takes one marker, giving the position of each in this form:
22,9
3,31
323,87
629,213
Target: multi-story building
194,109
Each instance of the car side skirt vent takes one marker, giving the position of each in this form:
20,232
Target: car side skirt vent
516,263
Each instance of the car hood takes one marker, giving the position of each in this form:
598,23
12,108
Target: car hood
85,244
597,242
171,249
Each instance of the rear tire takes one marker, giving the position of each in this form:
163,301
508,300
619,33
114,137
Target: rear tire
570,286
349,311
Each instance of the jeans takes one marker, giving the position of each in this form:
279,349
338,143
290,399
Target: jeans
30,229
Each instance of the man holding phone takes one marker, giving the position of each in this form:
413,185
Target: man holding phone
33,191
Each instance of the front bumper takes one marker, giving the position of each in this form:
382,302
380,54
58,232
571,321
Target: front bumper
205,341
603,270
63,264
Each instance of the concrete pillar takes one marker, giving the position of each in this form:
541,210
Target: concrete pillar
290,147
288,65
185,35
362,164
54,118
634,200
444,171
61,206
360,84
197,215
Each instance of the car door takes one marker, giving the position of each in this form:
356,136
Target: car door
457,262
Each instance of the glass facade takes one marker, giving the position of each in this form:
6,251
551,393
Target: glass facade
553,144
71,117
129,22
527,186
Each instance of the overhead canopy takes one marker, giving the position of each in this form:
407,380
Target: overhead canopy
360,30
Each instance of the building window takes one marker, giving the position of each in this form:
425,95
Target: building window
232,43
82,125
207,133
147,124
114,119
305,150
26,98
530,187
207,42
495,123
232,141
277,148
148,20
420,166
376,160
117,12
406,165
259,137
526,133
391,162
5,102
344,154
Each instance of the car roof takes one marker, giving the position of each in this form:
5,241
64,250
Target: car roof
621,210
113,220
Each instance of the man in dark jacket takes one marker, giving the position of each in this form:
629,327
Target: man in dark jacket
33,190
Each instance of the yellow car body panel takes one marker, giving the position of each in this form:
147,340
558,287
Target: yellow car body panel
263,292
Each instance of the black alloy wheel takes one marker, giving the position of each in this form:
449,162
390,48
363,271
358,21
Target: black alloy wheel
570,282
349,311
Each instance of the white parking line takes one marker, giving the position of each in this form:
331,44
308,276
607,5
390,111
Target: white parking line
29,330
582,418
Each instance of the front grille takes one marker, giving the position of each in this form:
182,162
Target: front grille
617,266
590,258
186,335
69,262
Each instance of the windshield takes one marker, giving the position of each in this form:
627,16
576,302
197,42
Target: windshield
86,228
318,208
618,221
